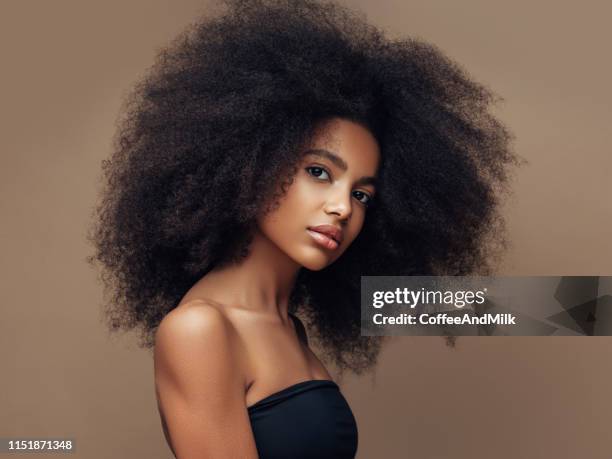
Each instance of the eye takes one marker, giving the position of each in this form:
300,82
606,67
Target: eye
318,172
363,198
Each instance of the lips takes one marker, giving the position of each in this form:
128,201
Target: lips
330,231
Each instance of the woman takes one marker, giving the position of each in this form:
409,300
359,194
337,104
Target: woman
274,155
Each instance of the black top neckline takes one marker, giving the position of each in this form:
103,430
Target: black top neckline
291,390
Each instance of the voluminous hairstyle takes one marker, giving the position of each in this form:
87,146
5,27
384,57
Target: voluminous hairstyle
210,138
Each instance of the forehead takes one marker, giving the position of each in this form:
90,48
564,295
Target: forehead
350,141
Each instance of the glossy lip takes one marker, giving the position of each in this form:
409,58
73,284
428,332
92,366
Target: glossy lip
323,240
331,231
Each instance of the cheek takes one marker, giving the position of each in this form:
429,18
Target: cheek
301,203
285,215
303,192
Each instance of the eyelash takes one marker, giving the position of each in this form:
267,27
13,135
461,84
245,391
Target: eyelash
367,203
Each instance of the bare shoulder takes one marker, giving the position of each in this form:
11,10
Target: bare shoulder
197,339
200,384
195,319
194,330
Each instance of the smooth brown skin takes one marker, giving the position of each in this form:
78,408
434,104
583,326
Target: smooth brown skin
230,342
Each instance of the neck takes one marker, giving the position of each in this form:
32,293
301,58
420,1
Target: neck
262,282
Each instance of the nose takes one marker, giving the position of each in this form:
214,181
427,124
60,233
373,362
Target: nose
340,205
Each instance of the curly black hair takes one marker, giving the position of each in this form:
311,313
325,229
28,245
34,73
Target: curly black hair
210,138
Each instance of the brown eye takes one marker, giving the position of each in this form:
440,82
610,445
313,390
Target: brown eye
363,198
318,172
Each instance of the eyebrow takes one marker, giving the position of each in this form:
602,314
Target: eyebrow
340,163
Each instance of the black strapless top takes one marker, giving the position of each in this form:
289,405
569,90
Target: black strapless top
310,419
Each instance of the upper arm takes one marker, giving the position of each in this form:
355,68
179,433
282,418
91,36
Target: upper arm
300,329
200,386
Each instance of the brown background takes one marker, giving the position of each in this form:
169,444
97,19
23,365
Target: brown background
66,65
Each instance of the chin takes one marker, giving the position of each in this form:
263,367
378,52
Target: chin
317,261
315,266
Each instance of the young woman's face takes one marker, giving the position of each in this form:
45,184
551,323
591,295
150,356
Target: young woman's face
334,182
